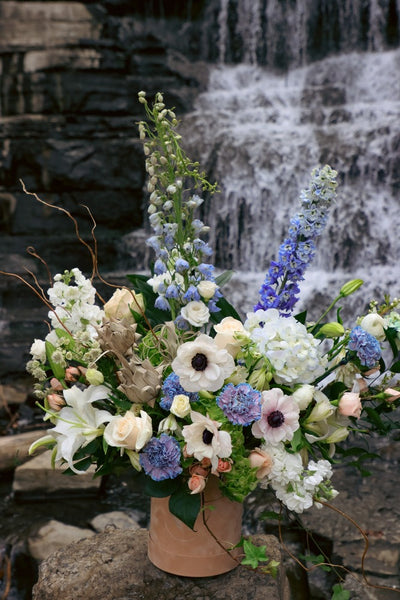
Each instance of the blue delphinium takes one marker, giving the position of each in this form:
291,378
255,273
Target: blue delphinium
173,183
365,345
280,288
160,458
171,388
241,404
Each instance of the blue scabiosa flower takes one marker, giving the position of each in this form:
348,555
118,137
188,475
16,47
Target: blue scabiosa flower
241,404
171,388
365,345
280,288
160,458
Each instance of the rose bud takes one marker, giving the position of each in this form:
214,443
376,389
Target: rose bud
72,374
55,401
56,385
261,461
199,470
393,394
196,484
224,466
350,405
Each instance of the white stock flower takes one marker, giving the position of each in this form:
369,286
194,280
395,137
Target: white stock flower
200,365
204,440
196,313
292,351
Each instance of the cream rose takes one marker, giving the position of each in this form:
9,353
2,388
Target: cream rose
128,431
180,406
196,313
350,405
374,324
225,338
118,306
207,289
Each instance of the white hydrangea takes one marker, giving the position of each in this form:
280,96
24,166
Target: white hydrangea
292,351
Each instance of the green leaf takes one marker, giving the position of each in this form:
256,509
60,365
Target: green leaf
159,489
395,367
222,279
140,286
185,506
391,336
317,560
254,554
339,593
58,370
270,514
301,317
298,441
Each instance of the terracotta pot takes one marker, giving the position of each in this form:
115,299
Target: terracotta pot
175,548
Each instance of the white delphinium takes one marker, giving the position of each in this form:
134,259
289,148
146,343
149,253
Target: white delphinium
292,351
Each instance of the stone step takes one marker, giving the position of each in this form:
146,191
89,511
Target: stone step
36,478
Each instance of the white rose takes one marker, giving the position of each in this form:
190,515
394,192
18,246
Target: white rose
207,289
374,324
38,350
180,406
303,395
196,313
118,305
128,431
225,338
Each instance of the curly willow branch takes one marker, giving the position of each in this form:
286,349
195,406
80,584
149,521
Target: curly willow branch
332,565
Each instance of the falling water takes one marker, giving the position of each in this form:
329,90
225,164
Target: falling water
259,133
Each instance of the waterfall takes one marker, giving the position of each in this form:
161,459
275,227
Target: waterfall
259,132
285,34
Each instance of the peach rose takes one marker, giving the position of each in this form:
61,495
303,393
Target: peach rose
225,338
196,484
261,461
350,405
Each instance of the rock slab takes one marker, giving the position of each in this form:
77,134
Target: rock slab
113,565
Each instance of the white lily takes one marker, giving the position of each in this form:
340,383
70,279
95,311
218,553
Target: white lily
79,422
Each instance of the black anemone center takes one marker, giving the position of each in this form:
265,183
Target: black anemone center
199,362
275,419
207,436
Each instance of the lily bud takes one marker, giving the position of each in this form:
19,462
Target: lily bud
350,287
332,330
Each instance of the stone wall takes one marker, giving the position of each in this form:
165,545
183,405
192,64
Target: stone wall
69,77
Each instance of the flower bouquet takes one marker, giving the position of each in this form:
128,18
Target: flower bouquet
167,380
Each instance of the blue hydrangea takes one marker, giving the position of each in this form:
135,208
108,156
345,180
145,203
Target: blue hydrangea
171,388
280,288
365,345
160,458
241,404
